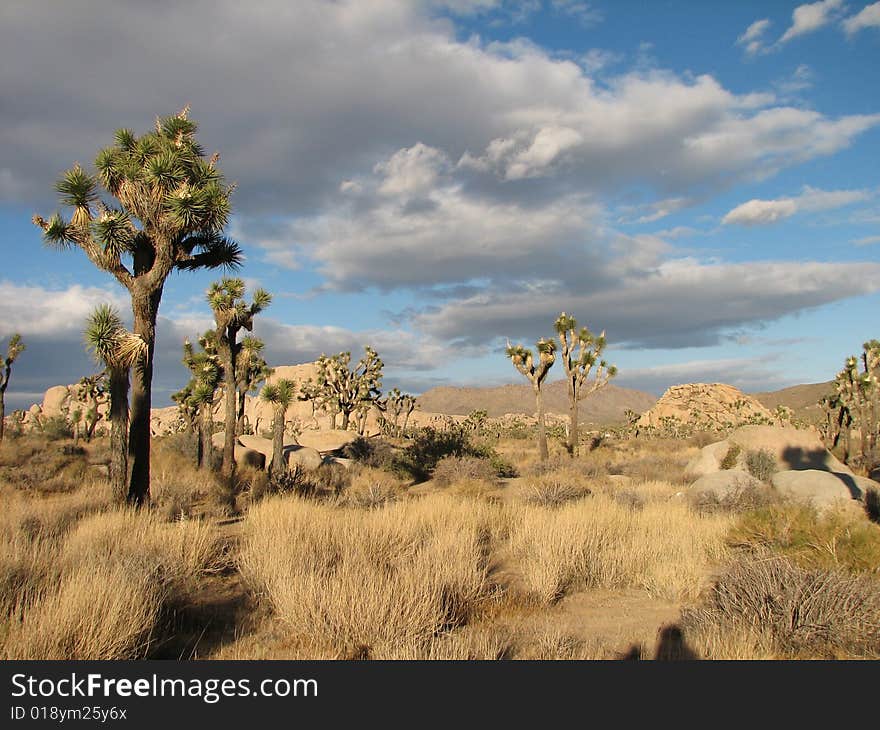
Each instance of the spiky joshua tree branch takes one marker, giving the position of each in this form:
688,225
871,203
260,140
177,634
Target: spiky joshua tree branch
536,371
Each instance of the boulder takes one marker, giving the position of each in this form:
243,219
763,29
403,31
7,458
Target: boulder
704,406
54,400
724,484
326,441
304,457
794,449
819,487
258,443
708,461
249,457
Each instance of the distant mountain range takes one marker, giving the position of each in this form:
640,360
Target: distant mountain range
605,406
802,399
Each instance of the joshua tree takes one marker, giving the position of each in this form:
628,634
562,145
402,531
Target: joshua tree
118,350
346,390
196,399
395,405
232,314
580,350
251,370
173,206
280,394
536,372
857,402
14,348
91,390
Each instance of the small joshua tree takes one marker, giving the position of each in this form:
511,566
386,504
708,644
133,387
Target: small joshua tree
251,370
344,389
580,350
231,315
856,401
280,394
536,372
91,391
118,350
196,400
14,348
395,405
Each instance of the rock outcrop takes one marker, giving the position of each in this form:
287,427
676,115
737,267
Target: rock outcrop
703,407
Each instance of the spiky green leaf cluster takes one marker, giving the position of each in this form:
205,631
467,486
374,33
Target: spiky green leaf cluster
110,343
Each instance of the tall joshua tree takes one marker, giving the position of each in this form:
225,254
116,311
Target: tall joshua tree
118,350
280,394
536,372
395,405
580,350
171,205
14,348
231,315
251,370
196,399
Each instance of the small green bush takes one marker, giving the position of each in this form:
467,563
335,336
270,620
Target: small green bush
761,464
452,469
729,460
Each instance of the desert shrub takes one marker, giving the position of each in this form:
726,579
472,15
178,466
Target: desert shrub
451,469
730,458
554,490
51,469
56,428
798,611
370,488
430,445
663,467
744,499
761,464
564,464
832,540
184,444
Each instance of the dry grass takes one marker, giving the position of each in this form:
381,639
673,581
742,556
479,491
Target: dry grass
598,542
369,581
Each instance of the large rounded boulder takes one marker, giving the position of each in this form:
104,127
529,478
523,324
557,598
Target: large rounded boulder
304,457
326,441
820,488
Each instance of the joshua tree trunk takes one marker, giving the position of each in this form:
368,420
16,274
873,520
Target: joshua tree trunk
239,420
119,485
333,420
277,465
2,415
345,419
145,307
206,428
227,352
543,452
573,436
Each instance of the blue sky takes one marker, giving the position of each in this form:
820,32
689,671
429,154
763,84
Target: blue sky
433,178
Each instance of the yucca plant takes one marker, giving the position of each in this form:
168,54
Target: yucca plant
251,370
395,405
171,206
280,394
536,372
14,348
231,315
196,400
118,350
580,351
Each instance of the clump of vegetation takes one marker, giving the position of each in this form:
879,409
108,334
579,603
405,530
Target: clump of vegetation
430,445
731,457
56,428
451,469
834,540
553,491
761,464
745,499
795,610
